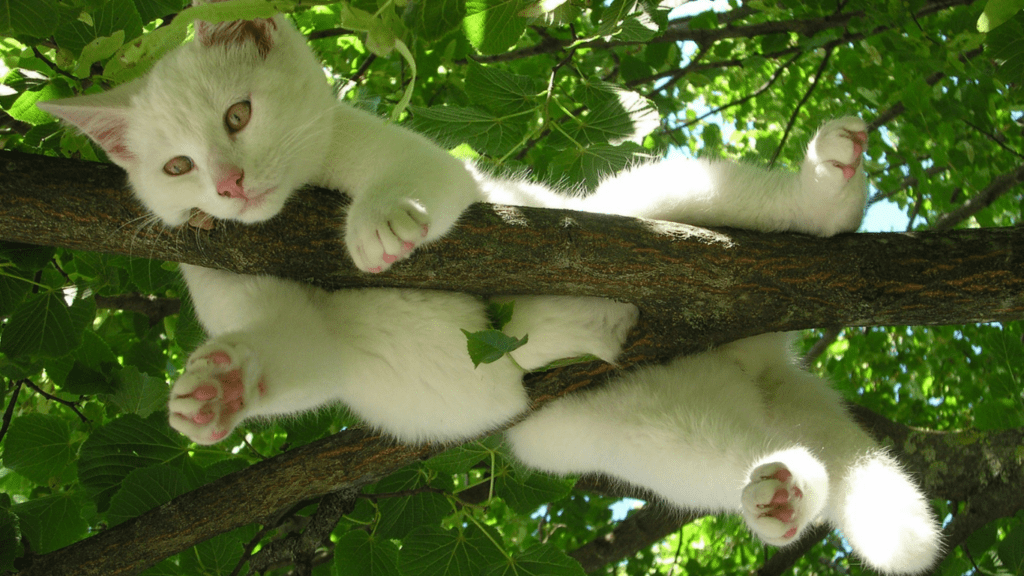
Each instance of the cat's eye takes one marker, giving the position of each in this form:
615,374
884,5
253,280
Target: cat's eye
178,165
237,116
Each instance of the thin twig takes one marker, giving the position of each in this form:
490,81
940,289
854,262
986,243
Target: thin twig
72,405
9,412
764,87
800,104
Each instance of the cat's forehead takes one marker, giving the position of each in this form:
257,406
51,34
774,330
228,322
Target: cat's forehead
199,76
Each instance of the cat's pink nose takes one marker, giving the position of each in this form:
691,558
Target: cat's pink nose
230,186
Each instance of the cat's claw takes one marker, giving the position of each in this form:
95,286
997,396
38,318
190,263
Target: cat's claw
212,395
377,241
773,504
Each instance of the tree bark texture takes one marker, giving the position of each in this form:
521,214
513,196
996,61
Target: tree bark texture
695,287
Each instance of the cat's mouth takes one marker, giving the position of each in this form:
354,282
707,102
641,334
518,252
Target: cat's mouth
200,219
255,202
205,221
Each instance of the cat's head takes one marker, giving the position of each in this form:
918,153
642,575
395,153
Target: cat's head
230,124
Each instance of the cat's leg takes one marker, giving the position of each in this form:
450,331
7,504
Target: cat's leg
825,198
692,431
406,190
403,369
832,180
885,517
876,505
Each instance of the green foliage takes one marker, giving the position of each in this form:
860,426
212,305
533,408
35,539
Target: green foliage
569,90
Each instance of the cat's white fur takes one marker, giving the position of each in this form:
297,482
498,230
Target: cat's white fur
737,429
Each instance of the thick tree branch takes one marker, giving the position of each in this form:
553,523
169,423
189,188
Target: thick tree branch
707,281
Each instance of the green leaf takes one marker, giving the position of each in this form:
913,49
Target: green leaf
614,14
98,49
217,556
637,28
36,18
10,539
432,551
500,91
538,560
12,292
1006,47
74,34
27,257
500,313
997,12
617,116
494,26
589,164
51,522
144,489
359,553
41,326
402,514
138,393
123,445
38,446
489,346
150,10
1011,550
83,380
704,21
524,493
460,459
484,131
998,414
433,19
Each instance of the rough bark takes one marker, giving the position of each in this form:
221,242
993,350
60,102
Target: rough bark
729,282
696,288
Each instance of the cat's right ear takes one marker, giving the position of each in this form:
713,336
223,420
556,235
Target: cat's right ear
102,117
258,31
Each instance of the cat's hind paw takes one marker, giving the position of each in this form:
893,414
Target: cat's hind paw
378,239
839,145
215,391
781,499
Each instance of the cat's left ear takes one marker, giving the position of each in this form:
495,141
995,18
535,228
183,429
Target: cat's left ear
259,31
103,117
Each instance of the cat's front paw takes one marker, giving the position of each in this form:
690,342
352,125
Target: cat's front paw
839,146
213,395
782,497
377,238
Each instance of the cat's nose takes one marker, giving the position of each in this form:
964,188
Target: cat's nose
230,186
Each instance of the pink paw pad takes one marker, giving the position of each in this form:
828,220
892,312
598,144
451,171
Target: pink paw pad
780,506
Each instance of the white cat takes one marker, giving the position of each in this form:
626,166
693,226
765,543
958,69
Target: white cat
230,125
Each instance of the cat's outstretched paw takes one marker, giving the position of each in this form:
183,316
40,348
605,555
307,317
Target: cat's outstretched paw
212,396
772,504
378,239
784,495
839,146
